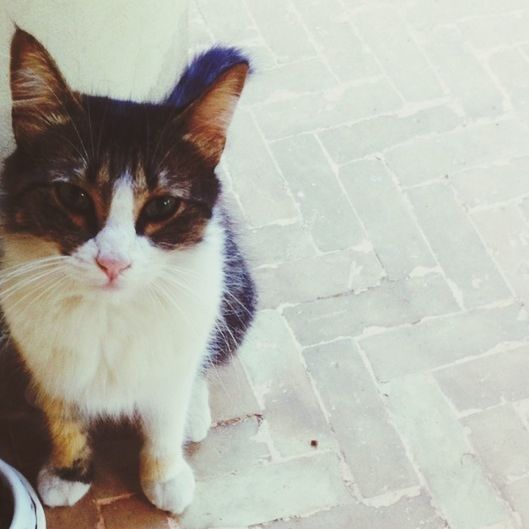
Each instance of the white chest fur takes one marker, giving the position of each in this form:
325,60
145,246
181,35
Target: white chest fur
107,353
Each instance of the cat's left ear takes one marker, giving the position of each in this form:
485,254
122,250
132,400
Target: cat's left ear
41,96
208,118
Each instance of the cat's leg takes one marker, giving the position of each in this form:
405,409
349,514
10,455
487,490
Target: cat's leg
166,478
67,476
199,414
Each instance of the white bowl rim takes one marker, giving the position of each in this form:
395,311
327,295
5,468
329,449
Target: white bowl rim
26,505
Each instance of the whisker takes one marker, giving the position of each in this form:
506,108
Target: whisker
41,293
16,274
33,261
9,292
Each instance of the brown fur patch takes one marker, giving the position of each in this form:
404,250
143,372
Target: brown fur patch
209,117
92,142
70,447
40,95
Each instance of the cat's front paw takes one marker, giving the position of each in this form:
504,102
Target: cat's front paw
174,494
58,492
198,414
198,424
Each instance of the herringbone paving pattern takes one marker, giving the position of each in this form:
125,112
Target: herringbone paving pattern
379,164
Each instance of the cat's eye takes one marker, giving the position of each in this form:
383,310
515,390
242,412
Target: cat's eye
160,208
73,198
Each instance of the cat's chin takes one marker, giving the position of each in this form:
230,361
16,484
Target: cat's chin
115,290
111,287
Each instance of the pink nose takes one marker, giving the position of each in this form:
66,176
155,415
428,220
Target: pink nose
112,267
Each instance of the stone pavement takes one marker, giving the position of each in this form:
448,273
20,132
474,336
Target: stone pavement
380,165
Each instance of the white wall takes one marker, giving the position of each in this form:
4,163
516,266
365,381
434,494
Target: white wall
126,49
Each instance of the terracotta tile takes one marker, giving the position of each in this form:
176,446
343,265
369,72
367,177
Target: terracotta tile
83,515
116,448
30,444
116,467
7,452
133,513
13,383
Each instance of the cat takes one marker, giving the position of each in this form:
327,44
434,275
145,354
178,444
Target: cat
121,277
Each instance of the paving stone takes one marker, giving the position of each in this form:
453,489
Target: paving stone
383,210
225,27
317,277
292,488
288,81
512,70
371,447
350,142
469,83
524,207
487,381
261,57
330,108
279,243
231,202
441,341
489,185
255,180
231,396
392,303
274,363
429,13
282,29
200,35
386,34
344,52
462,256
133,512
438,445
525,50
506,233
496,31
407,513
518,495
433,157
325,209
501,441
228,448
510,524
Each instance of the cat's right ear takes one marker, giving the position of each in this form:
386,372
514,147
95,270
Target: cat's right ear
41,97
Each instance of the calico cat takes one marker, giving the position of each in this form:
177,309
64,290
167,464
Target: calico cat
121,277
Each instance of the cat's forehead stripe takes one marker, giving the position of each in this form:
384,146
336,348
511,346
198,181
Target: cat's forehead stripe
122,204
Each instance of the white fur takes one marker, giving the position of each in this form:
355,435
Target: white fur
124,350
175,494
199,413
118,238
57,492
106,350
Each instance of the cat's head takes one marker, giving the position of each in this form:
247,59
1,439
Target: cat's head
115,188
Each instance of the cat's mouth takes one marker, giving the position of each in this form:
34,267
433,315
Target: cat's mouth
111,286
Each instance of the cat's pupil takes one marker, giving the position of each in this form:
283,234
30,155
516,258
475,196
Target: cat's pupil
73,197
160,208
